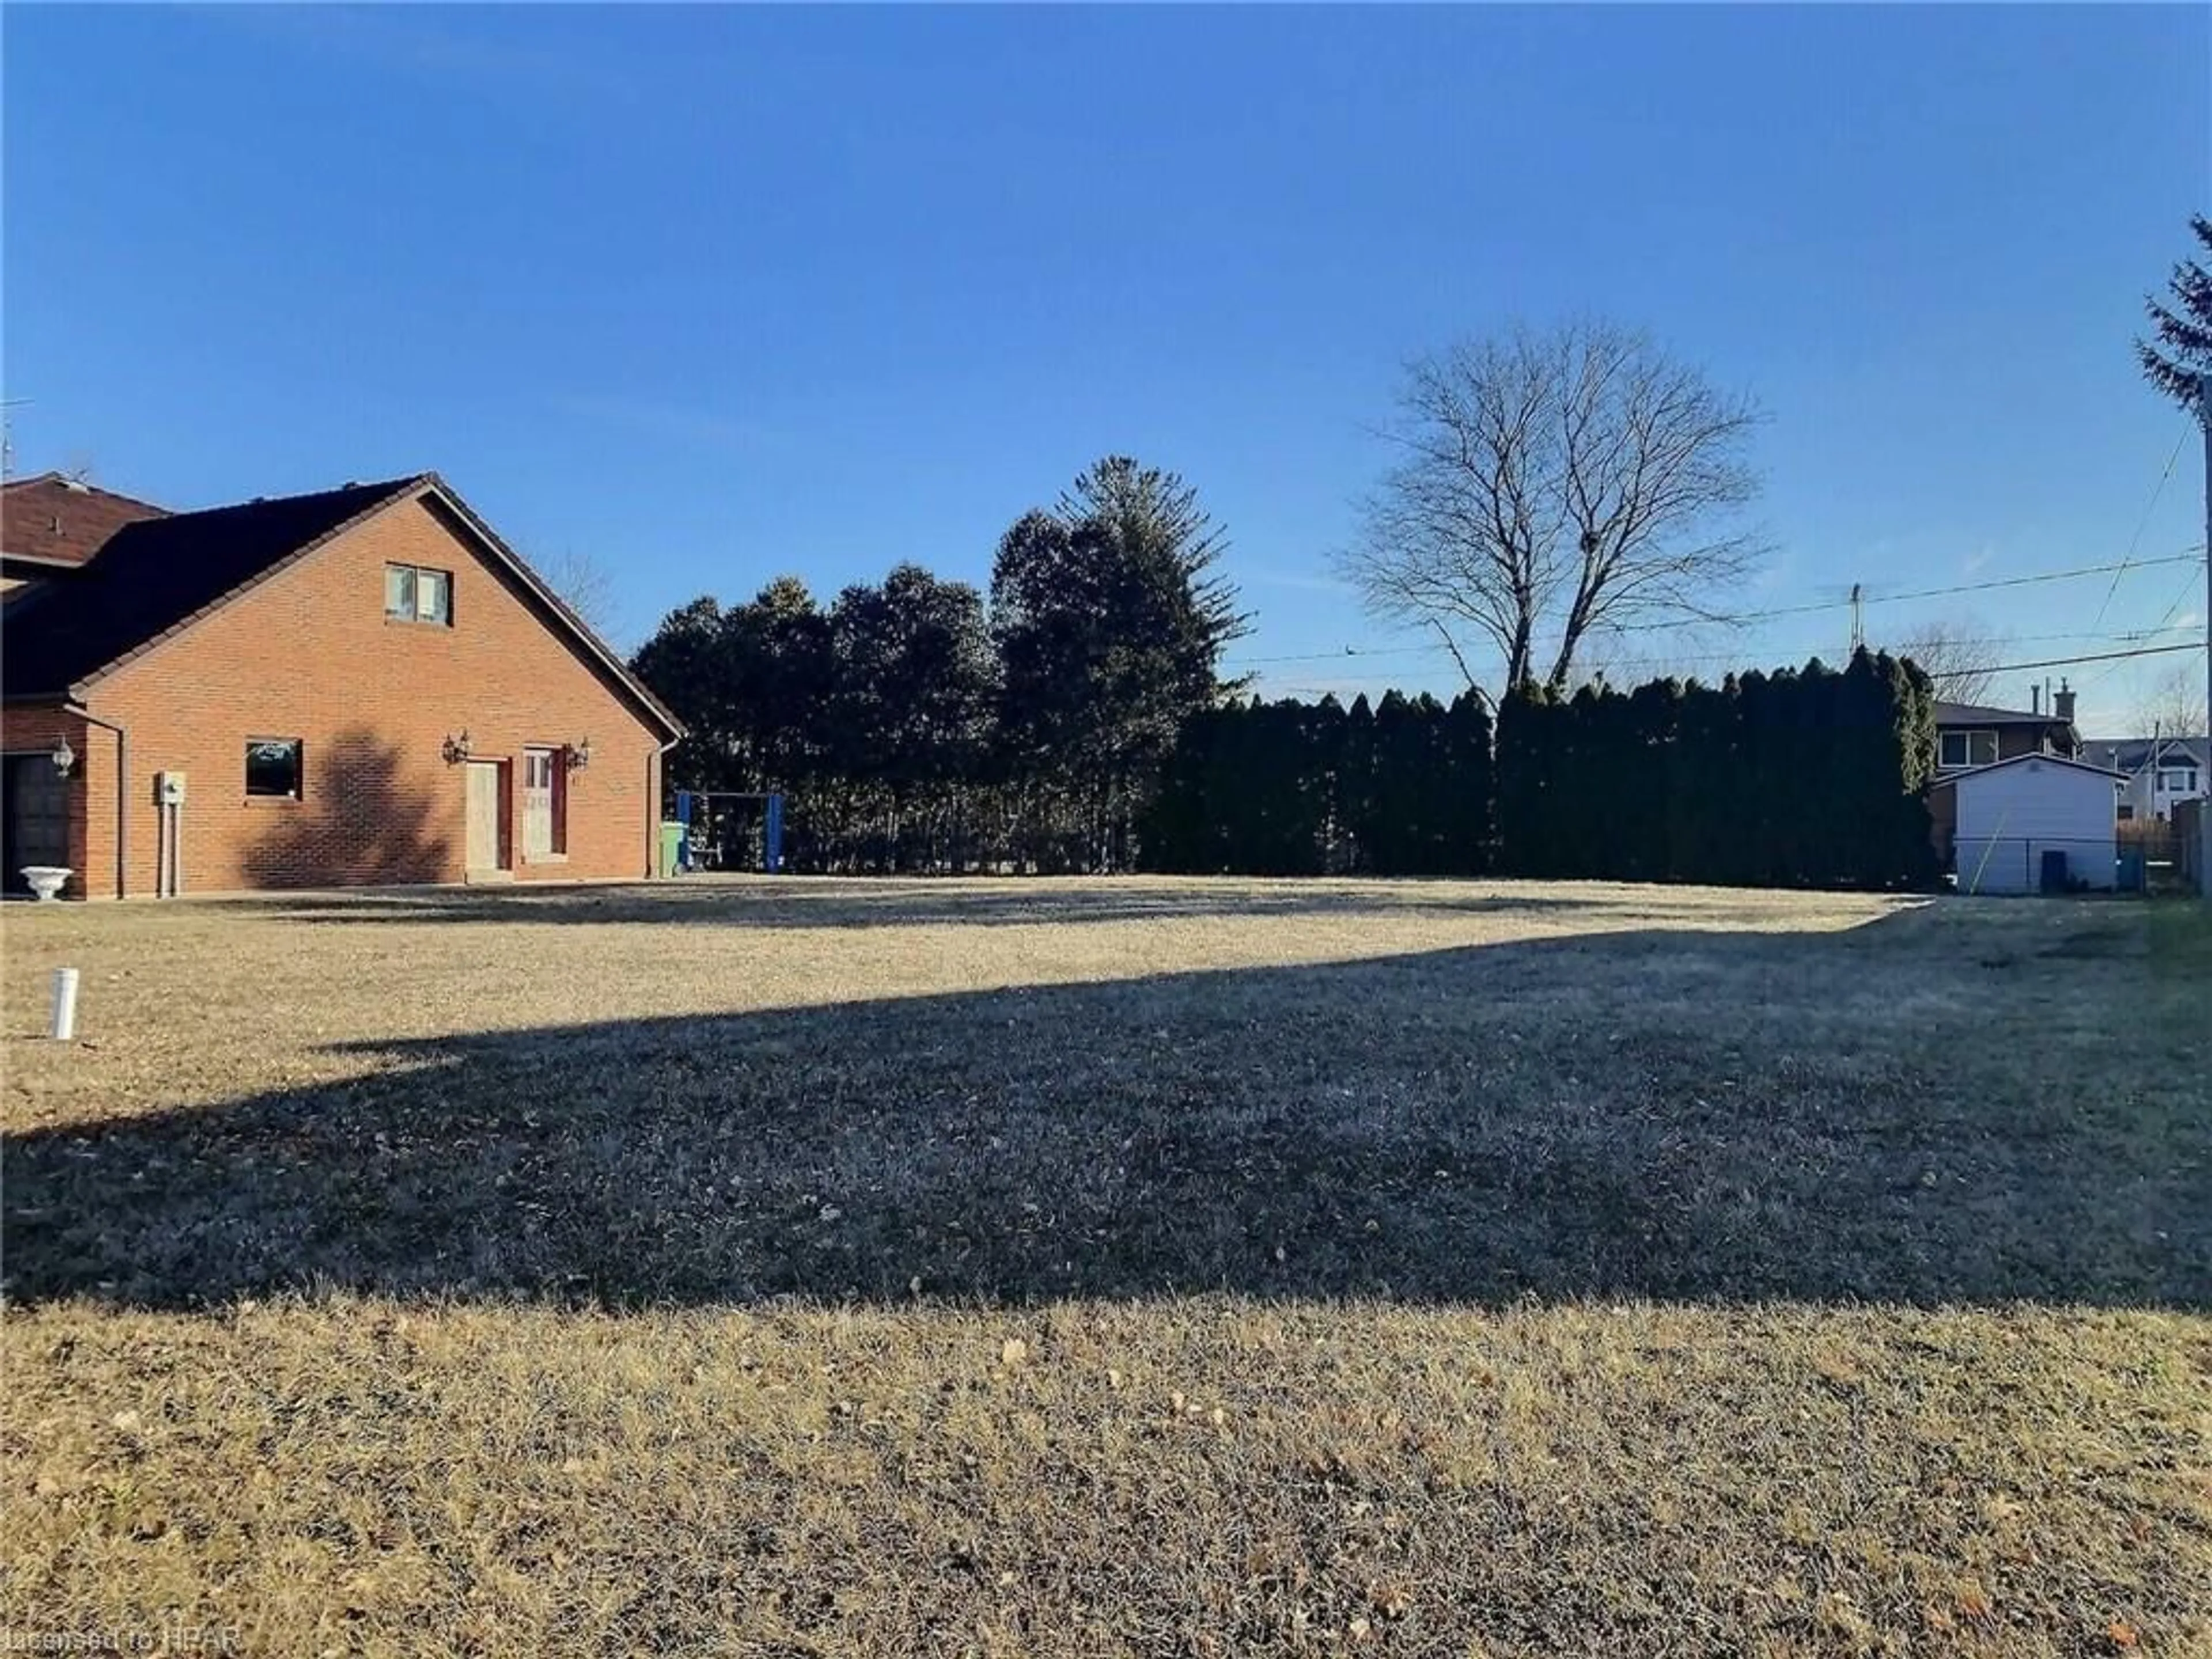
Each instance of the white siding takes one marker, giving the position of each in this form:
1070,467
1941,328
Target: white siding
2009,815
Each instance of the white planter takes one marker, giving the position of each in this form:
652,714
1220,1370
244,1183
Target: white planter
46,879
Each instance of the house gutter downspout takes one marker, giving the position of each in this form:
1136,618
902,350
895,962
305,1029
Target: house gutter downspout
122,787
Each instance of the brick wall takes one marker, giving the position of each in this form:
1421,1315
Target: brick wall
309,654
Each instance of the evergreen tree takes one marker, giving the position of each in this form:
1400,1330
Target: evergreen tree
1466,848
2180,347
908,716
1109,622
750,682
685,664
1355,787
1524,831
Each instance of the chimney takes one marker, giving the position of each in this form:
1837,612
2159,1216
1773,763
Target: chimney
2062,703
2035,700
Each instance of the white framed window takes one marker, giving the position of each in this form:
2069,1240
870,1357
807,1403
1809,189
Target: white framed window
2178,780
1967,748
414,592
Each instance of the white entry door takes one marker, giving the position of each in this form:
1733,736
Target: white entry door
538,787
484,838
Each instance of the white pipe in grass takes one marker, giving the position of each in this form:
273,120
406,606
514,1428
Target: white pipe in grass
64,1004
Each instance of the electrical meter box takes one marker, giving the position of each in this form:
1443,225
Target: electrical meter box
169,788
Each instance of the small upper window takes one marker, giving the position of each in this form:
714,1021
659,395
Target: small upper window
2179,780
1968,748
412,593
273,766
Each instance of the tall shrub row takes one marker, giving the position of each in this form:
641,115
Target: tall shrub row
1289,788
1811,777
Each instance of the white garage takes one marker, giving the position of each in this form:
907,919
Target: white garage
2014,814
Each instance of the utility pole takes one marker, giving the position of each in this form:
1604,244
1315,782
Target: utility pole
1858,618
2204,810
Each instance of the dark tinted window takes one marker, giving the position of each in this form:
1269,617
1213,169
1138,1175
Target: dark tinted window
272,766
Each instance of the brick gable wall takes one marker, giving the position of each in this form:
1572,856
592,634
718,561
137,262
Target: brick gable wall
308,654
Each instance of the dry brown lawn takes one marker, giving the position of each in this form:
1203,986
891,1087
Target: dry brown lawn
1134,1267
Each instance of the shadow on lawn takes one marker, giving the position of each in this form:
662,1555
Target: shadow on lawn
880,902
1665,1115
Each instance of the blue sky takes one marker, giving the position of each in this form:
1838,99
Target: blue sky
708,295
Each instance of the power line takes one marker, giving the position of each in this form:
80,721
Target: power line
2063,662
1964,673
1339,655
2117,636
2165,621
2141,523
1961,673
2188,557
2165,616
1681,659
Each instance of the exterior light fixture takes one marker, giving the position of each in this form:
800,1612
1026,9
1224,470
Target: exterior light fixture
456,748
577,754
64,756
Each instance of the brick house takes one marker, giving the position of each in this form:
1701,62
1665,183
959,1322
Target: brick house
362,685
1969,735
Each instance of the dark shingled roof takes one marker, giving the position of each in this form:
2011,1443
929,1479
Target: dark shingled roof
2133,754
1974,714
152,577
61,521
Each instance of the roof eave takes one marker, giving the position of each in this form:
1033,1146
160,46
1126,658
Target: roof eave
617,668
183,624
2014,760
410,488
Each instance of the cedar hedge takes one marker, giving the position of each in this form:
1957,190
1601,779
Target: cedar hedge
1800,778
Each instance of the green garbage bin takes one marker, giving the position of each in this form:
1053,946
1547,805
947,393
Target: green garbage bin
671,845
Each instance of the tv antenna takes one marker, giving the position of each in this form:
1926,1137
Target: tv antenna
1858,596
8,435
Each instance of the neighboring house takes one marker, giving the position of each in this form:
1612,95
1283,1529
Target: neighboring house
364,685
1969,735
1973,734
2157,773
2011,813
50,524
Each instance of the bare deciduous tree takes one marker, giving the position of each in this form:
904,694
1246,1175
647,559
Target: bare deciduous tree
585,585
1960,654
1625,660
2171,705
1554,483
